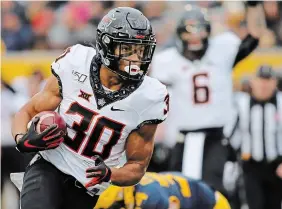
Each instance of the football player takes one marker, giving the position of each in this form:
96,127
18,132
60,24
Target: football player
162,191
109,105
199,73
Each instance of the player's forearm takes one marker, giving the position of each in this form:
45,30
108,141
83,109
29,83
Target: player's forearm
256,20
128,175
48,99
20,121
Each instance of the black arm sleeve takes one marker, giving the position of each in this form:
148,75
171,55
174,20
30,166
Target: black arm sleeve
247,46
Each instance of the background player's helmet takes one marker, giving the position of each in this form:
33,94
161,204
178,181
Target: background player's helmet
193,30
125,26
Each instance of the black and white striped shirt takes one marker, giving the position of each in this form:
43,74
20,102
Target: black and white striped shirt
260,127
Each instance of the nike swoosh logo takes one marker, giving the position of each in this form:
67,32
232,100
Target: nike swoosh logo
26,144
114,109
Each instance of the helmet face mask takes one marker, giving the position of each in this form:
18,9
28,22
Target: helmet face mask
126,43
193,31
143,51
194,35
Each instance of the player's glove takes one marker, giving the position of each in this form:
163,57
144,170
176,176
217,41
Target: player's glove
98,174
32,141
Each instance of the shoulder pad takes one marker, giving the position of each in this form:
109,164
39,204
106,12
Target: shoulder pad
155,99
74,56
163,65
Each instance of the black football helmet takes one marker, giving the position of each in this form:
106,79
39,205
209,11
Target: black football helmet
126,29
193,31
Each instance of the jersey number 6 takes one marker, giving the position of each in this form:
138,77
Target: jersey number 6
201,92
104,133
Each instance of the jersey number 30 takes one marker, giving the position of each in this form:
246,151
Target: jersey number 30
98,142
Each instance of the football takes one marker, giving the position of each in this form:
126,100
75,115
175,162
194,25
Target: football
48,118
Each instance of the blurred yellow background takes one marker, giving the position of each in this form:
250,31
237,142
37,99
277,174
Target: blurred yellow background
24,63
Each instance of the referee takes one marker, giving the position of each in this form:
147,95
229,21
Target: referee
260,128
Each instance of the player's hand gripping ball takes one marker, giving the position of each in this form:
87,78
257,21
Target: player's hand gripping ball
47,119
46,130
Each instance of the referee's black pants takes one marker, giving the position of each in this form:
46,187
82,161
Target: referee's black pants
215,155
263,187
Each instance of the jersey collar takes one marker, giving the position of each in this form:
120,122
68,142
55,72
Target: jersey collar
102,97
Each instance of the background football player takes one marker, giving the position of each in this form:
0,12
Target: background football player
109,105
162,191
199,73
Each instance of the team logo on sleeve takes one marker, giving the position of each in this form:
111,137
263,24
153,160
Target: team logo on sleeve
84,95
